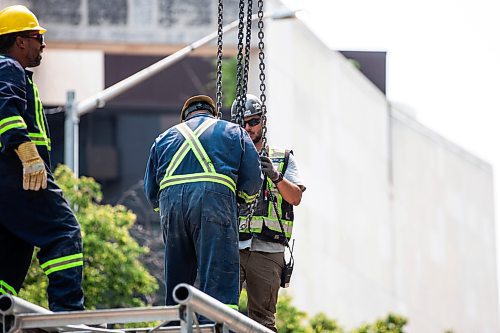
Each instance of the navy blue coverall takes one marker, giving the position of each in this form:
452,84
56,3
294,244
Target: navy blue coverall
33,218
195,173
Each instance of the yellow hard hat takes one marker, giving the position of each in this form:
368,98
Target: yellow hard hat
18,18
198,99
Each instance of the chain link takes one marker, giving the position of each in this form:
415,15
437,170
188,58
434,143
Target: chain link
218,94
248,41
262,76
264,150
238,117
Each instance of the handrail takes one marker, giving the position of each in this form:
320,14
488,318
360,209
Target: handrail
17,315
211,308
26,315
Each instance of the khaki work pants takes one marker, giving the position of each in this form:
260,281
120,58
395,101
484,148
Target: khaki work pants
262,273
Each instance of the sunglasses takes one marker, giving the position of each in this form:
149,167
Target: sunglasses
38,37
253,122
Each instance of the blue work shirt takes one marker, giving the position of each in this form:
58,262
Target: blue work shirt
228,146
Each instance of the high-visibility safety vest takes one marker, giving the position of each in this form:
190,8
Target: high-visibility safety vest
193,143
264,224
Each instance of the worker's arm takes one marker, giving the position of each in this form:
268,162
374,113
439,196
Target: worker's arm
151,187
249,175
289,190
13,130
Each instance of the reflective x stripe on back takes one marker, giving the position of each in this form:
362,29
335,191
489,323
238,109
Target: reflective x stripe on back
193,143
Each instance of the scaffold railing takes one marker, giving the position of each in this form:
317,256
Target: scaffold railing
18,315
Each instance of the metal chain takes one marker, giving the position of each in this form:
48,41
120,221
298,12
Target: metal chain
248,40
238,117
218,94
262,75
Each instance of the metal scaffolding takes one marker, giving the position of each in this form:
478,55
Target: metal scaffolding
18,315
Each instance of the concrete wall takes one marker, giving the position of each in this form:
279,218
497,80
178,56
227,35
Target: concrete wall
445,240
128,21
395,217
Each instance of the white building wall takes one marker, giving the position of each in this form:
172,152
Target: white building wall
79,70
395,218
443,213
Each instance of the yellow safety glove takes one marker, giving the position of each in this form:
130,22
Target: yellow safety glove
34,173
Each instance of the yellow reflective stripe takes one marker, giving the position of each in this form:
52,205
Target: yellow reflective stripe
193,143
10,126
62,267
10,123
39,139
183,150
10,119
61,263
255,224
197,148
274,224
246,197
8,288
280,197
233,306
270,208
199,177
177,159
39,117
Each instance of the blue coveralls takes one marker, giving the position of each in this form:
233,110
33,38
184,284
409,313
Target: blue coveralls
33,218
196,195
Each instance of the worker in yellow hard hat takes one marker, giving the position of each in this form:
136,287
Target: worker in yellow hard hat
34,212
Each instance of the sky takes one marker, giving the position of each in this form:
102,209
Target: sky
443,62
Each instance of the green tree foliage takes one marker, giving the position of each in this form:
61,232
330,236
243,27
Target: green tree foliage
113,274
228,81
391,324
291,320
320,323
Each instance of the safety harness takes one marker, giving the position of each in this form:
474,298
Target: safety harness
209,174
265,222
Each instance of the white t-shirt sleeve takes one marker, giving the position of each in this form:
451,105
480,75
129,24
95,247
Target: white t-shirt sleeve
292,173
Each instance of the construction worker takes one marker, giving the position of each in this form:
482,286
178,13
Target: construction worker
195,174
262,242
33,210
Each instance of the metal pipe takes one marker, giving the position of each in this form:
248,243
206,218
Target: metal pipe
211,308
69,130
94,317
28,315
12,305
100,99
75,110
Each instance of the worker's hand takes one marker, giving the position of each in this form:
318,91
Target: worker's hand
268,168
34,172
